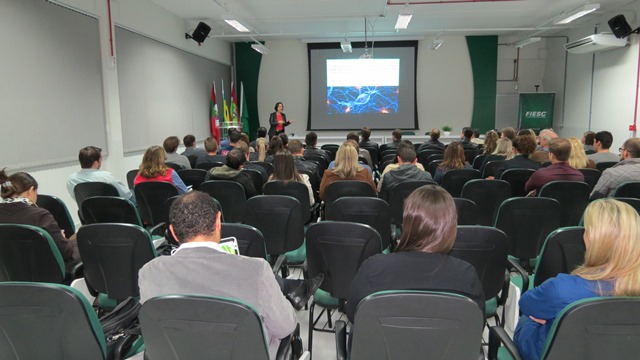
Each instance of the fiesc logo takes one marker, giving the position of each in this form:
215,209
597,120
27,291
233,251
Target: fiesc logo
536,114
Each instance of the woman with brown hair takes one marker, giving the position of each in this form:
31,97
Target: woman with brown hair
347,168
611,267
153,168
19,193
284,169
453,159
490,142
275,146
420,261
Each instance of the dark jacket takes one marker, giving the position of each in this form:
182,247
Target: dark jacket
226,173
273,122
404,172
303,164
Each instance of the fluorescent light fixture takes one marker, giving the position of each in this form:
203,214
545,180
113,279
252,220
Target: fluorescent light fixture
236,24
525,42
435,45
346,46
404,17
577,13
260,48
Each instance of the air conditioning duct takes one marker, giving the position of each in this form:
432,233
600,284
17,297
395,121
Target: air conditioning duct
595,43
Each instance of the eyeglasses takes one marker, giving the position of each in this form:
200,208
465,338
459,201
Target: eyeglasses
621,149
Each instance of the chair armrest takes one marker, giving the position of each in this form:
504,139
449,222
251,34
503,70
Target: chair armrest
341,340
513,265
284,349
498,336
291,346
77,271
278,264
158,229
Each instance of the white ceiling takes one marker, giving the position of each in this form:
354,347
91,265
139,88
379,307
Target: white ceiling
331,20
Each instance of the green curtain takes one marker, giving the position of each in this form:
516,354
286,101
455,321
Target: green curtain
247,72
483,53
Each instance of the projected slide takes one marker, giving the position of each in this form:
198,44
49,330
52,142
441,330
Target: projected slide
362,86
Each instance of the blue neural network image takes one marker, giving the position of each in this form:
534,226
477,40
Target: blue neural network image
362,99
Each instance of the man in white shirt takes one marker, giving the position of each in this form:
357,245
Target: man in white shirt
90,158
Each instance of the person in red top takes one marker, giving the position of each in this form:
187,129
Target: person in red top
277,120
153,168
559,151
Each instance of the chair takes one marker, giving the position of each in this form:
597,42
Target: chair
388,157
281,221
131,177
373,152
487,195
342,188
109,209
60,213
206,327
492,168
192,160
486,249
151,197
28,253
48,321
256,179
390,151
594,328
591,176
453,180
563,251
209,165
397,196
413,325
527,222
297,190
477,161
112,255
467,211
174,166
193,177
424,156
433,165
250,240
573,197
365,210
470,154
336,249
629,189
332,149
634,202
603,165
231,196
321,160
86,190
517,178
408,133
268,167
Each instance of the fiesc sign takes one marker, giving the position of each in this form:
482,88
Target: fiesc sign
536,114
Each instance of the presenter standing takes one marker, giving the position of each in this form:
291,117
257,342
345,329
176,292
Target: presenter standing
277,120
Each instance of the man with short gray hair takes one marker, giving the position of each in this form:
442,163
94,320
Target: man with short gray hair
626,170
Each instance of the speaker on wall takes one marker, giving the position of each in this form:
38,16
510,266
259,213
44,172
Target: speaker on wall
200,33
619,26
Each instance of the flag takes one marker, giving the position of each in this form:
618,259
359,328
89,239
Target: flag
215,122
244,112
234,106
225,108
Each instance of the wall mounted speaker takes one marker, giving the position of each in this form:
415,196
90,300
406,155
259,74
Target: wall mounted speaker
201,32
619,26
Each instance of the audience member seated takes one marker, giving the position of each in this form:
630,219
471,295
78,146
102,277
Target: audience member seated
170,146
232,170
476,138
201,267
466,137
626,170
611,267
396,137
588,141
311,140
285,139
262,144
420,261
262,134
229,143
355,146
490,142
393,166
502,151
361,152
433,142
453,159
346,168
559,151
248,165
275,146
153,168
211,147
19,196
295,148
578,158
523,146
284,169
365,133
509,133
405,171
542,152
90,158
601,143
245,137
191,148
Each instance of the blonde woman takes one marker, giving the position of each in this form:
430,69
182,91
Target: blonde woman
490,142
611,267
578,157
261,148
503,151
347,168
153,168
